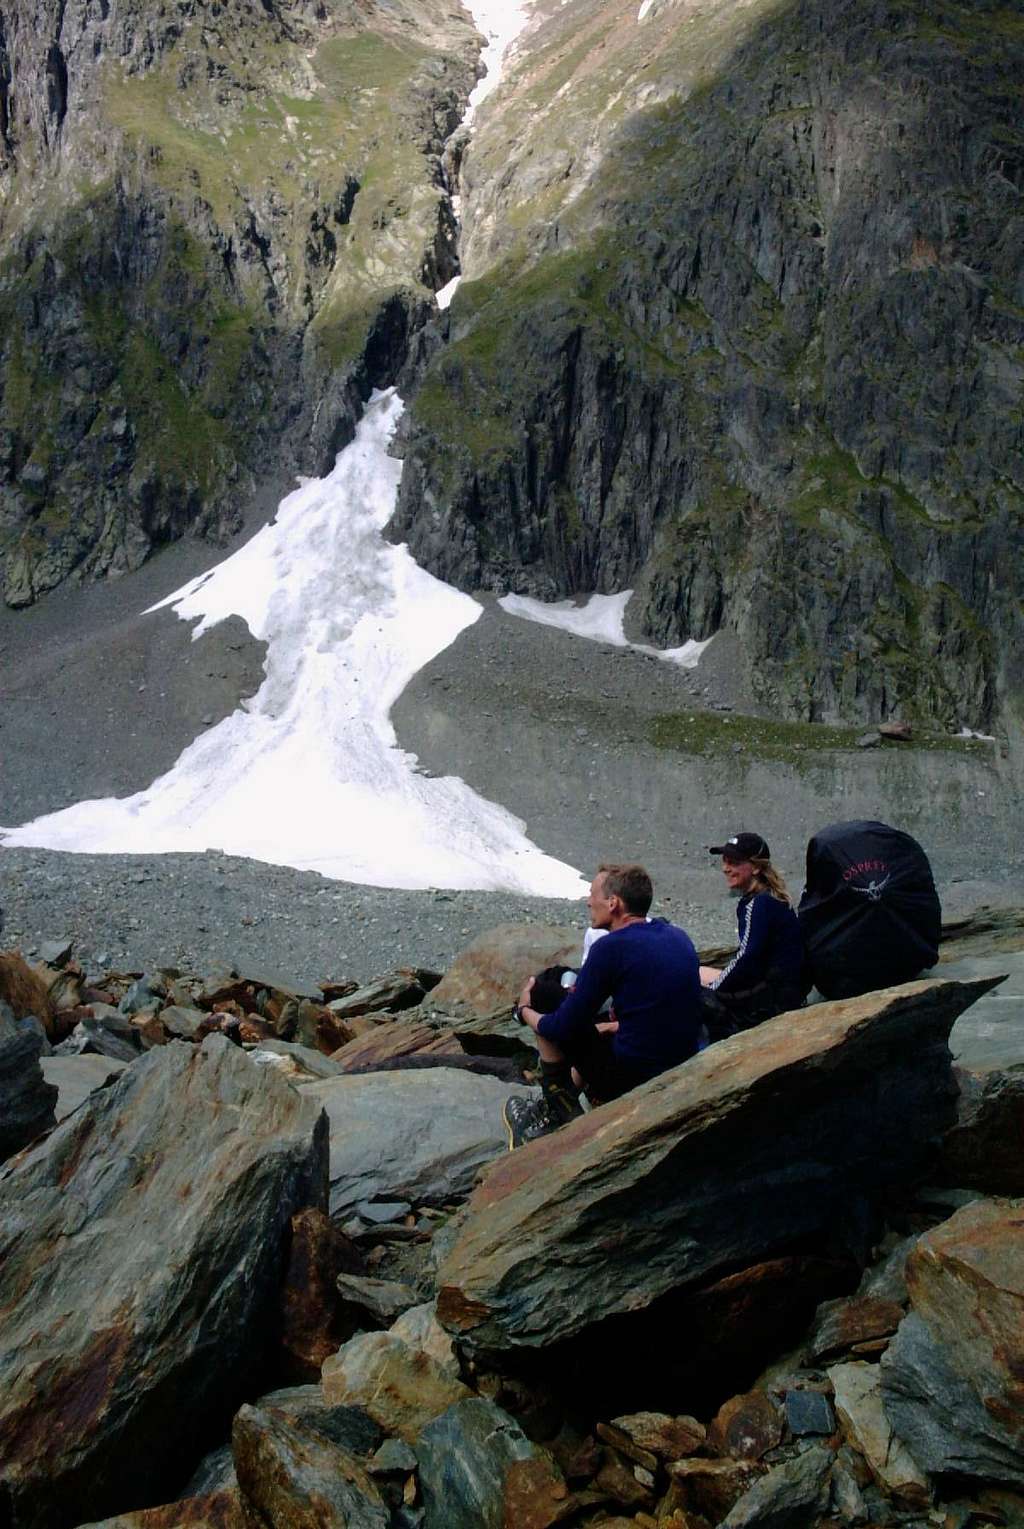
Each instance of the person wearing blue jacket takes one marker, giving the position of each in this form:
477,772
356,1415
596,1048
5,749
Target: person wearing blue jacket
650,970
765,976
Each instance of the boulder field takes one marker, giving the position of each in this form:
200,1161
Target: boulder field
248,1286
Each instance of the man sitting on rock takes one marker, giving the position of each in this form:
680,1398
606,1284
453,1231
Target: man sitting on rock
650,971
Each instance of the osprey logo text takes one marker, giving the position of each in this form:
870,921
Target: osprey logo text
874,889
864,865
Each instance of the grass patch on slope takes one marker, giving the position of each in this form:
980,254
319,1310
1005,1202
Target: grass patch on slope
267,156
713,734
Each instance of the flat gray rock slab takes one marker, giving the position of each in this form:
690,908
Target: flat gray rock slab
76,1077
990,1034
416,1136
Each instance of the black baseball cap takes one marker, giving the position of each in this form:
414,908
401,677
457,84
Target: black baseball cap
742,847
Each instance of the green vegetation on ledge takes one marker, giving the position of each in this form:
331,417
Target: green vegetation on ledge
715,734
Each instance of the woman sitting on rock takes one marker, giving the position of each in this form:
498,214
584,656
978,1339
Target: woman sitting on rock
765,976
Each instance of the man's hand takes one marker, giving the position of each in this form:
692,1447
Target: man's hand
709,974
607,1027
528,1016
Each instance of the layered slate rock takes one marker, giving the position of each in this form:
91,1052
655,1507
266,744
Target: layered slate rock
27,1099
294,1478
985,1149
214,1510
76,1077
478,1470
795,1492
951,1378
761,1144
312,1324
401,989
388,1046
142,1244
448,1124
492,970
402,1389
419,1329
868,1426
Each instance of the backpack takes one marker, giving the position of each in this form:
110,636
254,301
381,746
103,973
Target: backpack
869,915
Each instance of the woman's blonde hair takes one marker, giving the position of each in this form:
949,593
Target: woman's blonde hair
769,880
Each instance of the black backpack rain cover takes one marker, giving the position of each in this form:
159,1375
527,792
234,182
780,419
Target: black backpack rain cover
869,914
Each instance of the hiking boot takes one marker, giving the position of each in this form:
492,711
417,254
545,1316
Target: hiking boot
527,1119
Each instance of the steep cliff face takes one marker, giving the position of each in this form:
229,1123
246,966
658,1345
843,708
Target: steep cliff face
218,224
743,326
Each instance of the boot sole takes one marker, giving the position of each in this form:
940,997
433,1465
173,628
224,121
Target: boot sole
508,1127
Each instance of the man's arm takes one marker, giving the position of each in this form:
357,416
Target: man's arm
578,1011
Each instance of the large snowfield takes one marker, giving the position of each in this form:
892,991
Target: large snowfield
308,772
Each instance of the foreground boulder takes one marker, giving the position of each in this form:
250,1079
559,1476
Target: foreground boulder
478,1470
491,972
292,1477
985,1149
312,1321
767,1142
24,990
27,1100
213,1510
401,1388
76,1077
418,1136
142,1244
868,1427
951,1379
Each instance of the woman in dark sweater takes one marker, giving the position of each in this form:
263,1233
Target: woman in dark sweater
765,976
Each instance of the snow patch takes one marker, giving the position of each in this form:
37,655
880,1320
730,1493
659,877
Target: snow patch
308,773
968,732
601,619
501,23
443,298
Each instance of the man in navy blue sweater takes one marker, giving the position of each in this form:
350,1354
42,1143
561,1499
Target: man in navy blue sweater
650,971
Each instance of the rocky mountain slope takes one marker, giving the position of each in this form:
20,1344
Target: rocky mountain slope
742,326
218,224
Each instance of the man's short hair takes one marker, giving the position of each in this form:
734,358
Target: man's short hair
631,884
